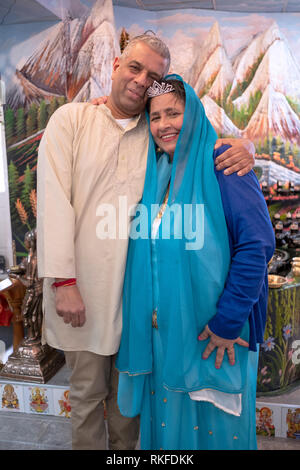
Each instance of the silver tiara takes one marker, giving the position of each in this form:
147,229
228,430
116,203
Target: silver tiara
159,89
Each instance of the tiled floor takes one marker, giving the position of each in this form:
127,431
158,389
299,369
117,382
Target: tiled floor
277,443
23,431
30,432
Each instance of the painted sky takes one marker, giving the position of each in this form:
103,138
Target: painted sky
76,8
183,30
236,28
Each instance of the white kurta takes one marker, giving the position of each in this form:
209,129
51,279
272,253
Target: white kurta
86,159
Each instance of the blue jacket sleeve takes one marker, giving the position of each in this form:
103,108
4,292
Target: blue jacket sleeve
252,245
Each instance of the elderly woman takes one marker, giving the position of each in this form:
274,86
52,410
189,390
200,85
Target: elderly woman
195,290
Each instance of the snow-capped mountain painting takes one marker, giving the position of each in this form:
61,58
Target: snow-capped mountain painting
249,81
211,71
266,72
74,61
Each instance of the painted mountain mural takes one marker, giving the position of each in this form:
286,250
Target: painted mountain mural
74,61
277,80
259,98
249,95
211,71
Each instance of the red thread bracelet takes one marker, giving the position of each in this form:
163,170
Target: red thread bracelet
67,282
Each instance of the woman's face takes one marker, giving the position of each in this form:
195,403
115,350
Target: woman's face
166,119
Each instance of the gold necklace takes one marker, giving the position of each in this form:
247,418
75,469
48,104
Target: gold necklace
163,206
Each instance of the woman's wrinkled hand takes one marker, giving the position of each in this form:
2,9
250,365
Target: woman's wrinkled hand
222,345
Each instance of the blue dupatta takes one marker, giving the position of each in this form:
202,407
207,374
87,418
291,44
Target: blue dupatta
196,277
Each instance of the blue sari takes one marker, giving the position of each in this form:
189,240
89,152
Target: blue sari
182,280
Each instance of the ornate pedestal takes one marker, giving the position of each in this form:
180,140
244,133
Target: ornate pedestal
33,362
30,361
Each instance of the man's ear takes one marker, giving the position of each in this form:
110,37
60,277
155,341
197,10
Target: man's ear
116,65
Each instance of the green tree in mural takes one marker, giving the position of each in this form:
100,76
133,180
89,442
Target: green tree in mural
53,106
20,217
295,106
237,92
28,185
20,124
31,120
13,177
282,149
42,117
62,100
295,150
14,189
266,145
259,147
9,118
287,147
273,145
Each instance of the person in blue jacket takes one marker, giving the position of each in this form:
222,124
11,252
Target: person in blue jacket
195,289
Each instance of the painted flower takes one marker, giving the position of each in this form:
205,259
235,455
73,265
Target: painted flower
263,371
266,381
287,331
269,344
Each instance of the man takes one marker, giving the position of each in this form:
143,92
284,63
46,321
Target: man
91,156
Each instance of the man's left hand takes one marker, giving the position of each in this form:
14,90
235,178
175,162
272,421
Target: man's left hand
239,158
100,100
